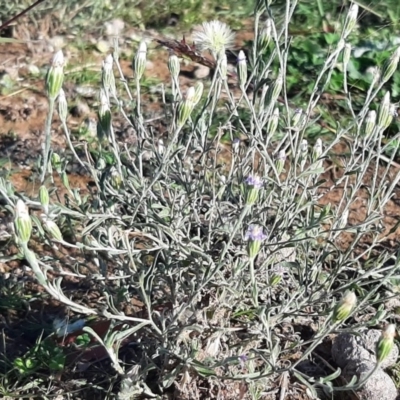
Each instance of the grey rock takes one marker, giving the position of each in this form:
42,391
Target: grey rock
356,347
347,347
355,354
379,386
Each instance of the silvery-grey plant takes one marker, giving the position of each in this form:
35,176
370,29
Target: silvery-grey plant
170,228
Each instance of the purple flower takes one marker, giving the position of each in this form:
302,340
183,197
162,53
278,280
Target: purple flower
255,233
254,180
255,236
242,359
253,185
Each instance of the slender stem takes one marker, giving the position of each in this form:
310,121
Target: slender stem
46,149
253,282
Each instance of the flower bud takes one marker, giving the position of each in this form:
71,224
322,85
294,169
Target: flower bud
62,106
374,74
174,66
52,229
115,179
265,36
242,69
344,307
104,114
346,54
253,184
56,162
275,279
351,20
385,343
317,150
369,123
65,181
44,198
107,75
275,90
255,236
390,66
22,222
186,106
296,117
303,153
385,116
280,161
273,122
198,92
55,76
140,61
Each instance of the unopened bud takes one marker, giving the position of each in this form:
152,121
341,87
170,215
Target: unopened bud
107,75
275,90
115,179
22,222
52,229
65,181
198,92
275,279
242,69
140,61
56,162
44,198
273,122
265,36
296,117
385,114
280,161
317,150
186,106
303,153
344,307
174,66
390,66
351,20
346,54
104,114
385,344
369,123
55,76
253,184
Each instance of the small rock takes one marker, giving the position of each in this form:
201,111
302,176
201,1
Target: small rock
379,385
355,354
201,72
349,347
86,91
